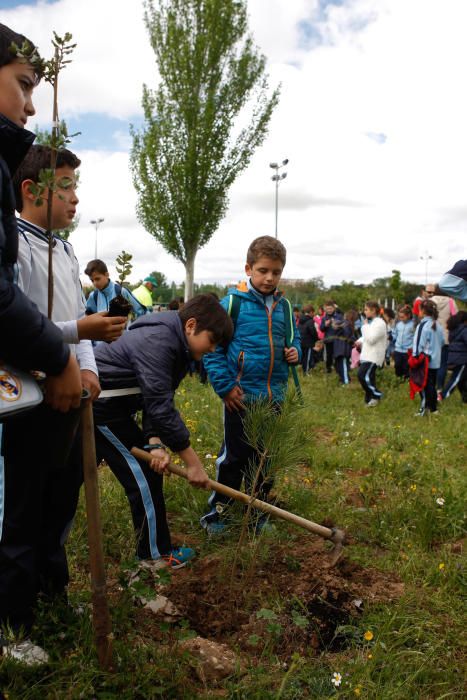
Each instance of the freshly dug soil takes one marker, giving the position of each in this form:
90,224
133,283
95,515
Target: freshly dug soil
293,579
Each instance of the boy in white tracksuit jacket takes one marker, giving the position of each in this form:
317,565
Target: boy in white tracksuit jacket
373,343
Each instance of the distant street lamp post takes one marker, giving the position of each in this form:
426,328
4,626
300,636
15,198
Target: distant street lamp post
426,258
278,178
96,223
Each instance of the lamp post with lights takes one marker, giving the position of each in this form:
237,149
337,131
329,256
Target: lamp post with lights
426,258
278,177
96,223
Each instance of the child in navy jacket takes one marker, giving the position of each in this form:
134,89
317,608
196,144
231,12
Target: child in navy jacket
457,356
344,339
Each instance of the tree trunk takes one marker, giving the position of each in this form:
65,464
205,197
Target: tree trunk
190,276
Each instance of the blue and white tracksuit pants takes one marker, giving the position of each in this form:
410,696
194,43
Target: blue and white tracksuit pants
457,379
367,378
237,461
342,365
143,486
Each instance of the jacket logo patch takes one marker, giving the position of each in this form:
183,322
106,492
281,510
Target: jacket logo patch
10,387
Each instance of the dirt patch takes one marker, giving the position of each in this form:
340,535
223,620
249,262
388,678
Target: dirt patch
290,601
377,441
324,435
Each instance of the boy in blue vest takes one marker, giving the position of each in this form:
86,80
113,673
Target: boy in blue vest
106,290
254,366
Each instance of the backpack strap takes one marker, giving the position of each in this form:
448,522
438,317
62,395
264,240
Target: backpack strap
289,336
234,307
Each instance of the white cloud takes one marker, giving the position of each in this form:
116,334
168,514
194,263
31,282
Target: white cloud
350,208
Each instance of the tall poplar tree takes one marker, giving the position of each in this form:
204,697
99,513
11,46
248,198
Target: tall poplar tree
202,124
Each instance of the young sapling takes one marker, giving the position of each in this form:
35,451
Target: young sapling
119,306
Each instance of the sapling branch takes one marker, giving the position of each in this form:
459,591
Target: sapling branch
119,306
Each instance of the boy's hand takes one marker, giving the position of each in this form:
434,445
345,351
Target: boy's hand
101,326
197,476
291,355
160,461
234,400
90,381
64,391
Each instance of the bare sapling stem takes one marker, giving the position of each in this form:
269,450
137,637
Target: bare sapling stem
53,164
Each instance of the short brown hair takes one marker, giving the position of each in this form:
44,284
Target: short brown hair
209,316
37,159
373,305
266,247
96,266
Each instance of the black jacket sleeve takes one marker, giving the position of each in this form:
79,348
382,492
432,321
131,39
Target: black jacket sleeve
28,339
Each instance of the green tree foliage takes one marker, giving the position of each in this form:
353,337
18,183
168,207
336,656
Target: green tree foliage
191,148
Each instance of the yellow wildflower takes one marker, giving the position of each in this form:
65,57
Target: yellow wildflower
426,442
441,566
368,635
413,487
357,691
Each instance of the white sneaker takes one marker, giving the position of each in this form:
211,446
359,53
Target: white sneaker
372,403
26,652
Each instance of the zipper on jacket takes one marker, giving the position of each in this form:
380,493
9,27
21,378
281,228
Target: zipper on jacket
240,364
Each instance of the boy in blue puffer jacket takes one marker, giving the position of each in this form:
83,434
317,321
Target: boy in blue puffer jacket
254,366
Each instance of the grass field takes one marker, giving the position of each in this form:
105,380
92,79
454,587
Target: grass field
389,619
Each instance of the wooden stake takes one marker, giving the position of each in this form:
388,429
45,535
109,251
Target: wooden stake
100,610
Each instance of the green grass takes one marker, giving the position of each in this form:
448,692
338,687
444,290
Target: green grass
375,472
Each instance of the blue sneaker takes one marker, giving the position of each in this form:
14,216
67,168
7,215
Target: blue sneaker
215,527
178,557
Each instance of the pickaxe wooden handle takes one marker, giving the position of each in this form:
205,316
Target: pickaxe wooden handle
333,534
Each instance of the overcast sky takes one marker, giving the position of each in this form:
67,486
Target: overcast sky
372,118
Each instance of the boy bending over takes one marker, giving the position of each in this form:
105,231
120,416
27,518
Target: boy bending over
254,366
154,356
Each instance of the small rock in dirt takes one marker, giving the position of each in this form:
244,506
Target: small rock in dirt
162,606
212,661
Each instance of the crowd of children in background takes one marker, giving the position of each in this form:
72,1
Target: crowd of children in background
422,341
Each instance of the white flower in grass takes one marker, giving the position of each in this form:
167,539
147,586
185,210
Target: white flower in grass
440,501
208,456
336,679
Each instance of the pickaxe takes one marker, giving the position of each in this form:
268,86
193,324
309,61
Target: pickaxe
333,534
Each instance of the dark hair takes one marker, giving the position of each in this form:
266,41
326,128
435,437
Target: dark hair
308,309
209,316
96,266
7,38
173,305
405,309
37,159
456,320
267,247
389,312
430,309
373,305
